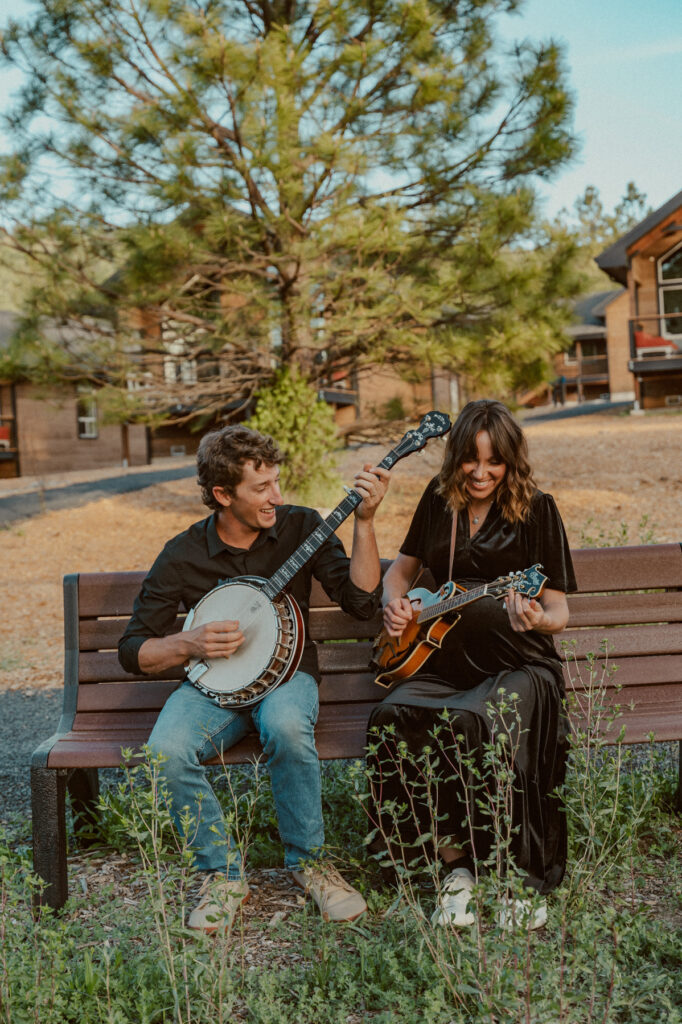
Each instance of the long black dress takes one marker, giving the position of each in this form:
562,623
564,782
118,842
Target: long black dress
484,661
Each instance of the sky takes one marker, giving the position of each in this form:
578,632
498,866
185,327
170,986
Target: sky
625,71
625,68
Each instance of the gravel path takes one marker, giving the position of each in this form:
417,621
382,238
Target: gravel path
26,503
26,718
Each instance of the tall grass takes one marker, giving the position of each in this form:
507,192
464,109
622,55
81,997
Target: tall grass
606,954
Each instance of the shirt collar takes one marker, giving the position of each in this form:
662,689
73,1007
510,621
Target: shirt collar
216,546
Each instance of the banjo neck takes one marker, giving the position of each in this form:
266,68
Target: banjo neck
312,544
432,425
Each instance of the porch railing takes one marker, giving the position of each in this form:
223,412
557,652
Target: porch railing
648,340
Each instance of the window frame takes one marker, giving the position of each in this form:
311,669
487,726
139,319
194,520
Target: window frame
665,286
87,414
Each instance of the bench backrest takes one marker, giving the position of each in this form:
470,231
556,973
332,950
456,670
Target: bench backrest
629,597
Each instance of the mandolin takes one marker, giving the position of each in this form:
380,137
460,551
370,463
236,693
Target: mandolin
395,658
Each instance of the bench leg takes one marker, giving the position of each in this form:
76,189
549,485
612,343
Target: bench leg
83,788
678,795
48,800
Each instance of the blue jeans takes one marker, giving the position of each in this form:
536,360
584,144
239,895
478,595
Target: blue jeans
192,728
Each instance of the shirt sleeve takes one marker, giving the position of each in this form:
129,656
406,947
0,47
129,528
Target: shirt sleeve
154,612
332,568
548,544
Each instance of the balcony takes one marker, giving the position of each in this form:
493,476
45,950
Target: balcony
653,347
593,366
646,335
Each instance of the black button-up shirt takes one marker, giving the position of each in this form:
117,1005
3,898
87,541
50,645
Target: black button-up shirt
197,560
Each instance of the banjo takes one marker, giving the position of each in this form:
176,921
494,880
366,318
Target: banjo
269,617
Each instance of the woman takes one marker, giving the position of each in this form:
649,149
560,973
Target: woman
484,507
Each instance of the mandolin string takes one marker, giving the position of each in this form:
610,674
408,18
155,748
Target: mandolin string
435,611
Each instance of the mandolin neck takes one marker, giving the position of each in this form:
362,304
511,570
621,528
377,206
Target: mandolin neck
449,604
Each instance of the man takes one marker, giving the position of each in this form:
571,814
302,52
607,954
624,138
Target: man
251,532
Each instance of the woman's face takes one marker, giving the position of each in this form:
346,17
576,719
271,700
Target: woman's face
484,474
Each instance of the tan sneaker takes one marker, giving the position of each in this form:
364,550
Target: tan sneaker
219,901
337,900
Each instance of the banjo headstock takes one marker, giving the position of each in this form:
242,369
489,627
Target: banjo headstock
433,424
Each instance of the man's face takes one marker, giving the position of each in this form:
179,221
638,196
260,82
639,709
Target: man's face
255,498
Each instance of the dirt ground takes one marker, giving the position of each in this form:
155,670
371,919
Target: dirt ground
615,478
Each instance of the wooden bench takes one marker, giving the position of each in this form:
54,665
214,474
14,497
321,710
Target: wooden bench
631,597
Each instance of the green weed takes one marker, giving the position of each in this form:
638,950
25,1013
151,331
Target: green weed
610,952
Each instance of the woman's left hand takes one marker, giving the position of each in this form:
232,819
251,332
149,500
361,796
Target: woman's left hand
548,615
523,614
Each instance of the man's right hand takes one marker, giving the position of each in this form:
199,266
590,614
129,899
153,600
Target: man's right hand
214,639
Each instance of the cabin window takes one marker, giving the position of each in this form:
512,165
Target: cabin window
670,292
87,414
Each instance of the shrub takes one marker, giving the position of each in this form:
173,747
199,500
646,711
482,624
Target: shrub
304,428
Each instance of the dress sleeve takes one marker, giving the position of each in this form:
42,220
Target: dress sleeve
548,544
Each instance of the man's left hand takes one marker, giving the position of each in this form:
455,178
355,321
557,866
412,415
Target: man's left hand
372,483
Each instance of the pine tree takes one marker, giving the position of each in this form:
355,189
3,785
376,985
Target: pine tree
269,183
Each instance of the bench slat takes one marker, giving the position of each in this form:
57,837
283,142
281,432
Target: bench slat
113,593
585,610
144,695
151,695
638,671
333,624
628,568
340,735
104,634
103,666
624,640
624,609
324,623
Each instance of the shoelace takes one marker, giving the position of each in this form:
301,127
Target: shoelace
330,876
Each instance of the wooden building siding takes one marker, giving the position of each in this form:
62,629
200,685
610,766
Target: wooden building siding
654,357
621,384
48,441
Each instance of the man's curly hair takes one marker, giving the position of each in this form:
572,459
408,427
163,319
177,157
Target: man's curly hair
221,457
509,446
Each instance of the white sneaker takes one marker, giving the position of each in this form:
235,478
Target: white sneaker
454,899
219,901
522,915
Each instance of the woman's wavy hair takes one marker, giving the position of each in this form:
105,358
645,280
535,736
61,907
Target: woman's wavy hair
221,457
509,446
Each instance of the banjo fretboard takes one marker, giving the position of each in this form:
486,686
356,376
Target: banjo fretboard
305,551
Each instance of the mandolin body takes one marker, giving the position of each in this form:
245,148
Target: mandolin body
397,657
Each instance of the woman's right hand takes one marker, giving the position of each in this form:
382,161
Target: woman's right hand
397,614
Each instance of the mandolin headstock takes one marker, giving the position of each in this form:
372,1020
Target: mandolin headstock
527,582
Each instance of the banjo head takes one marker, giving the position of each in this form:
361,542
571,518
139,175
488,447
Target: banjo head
241,601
